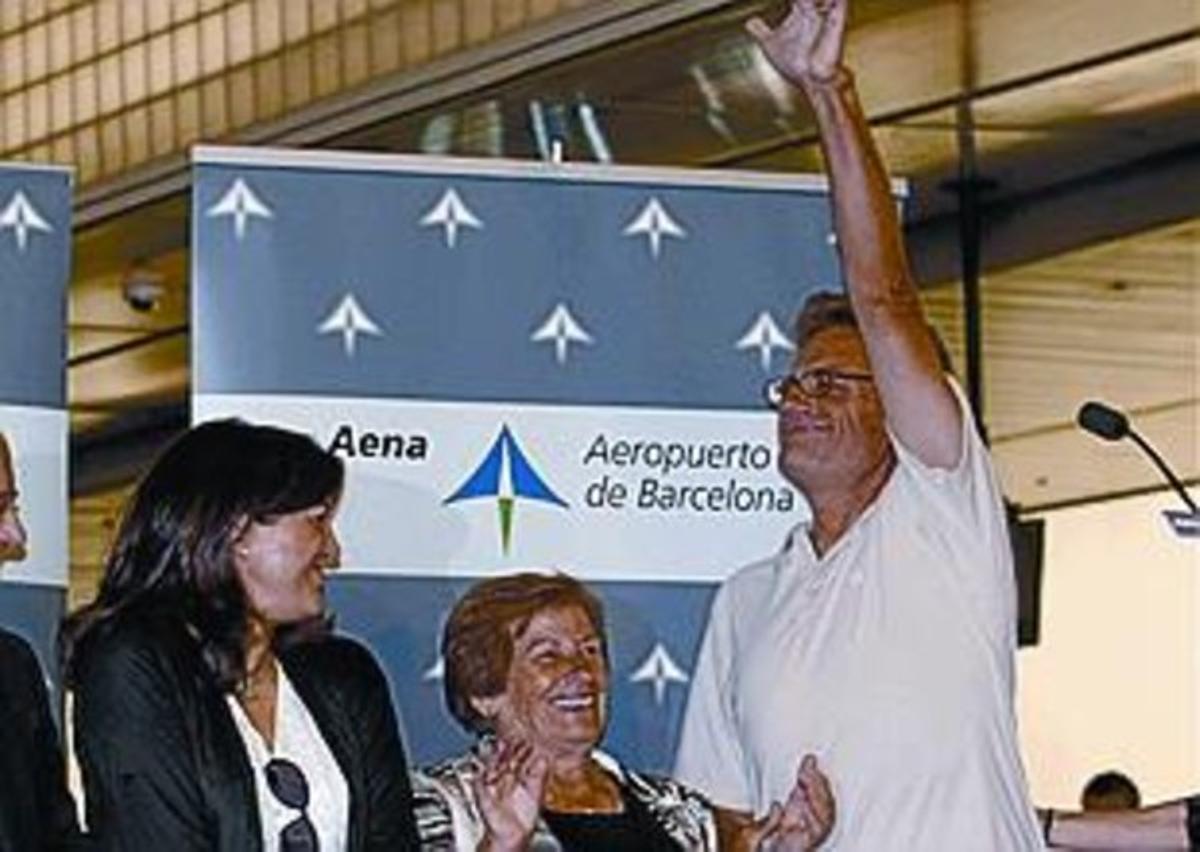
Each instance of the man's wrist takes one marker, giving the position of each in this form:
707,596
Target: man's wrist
841,79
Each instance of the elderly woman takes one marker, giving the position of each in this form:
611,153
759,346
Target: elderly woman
526,670
213,708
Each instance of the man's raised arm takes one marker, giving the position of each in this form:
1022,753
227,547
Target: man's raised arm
806,48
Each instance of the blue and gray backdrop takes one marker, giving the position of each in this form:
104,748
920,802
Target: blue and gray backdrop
35,246
524,366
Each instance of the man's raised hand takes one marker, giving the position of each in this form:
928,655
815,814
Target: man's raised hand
806,47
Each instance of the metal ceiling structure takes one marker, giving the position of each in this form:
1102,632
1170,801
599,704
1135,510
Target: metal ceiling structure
1083,122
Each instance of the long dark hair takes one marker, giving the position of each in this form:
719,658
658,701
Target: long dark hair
172,554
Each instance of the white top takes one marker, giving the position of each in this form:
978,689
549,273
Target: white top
298,739
890,658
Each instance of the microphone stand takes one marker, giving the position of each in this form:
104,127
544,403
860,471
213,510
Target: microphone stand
1185,524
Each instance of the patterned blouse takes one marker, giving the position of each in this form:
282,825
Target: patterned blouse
448,818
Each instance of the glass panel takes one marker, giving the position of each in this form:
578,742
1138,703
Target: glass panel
35,10
184,10
324,14
356,55
133,20
63,150
212,44
241,98
36,53
509,13
87,154
214,112
187,54
416,27
108,25
60,43
38,101
62,114
10,16
14,121
112,146
110,84
134,73
327,66
385,42
447,25
85,93
83,33
162,126
480,23
158,16
12,57
137,135
268,26
269,87
297,75
240,31
187,113
295,20
161,64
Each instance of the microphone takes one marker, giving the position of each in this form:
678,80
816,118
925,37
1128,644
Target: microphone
1109,424
1103,422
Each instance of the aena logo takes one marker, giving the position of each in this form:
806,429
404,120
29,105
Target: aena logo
507,474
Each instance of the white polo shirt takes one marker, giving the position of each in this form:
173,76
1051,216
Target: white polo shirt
890,658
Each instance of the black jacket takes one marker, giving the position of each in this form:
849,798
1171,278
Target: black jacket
36,811
164,766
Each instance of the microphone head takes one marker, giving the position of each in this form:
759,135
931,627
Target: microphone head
1102,421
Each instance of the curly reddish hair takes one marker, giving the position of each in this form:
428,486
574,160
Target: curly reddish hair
477,641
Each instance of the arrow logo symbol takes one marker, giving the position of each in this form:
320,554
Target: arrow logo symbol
659,669
240,202
655,222
451,213
765,336
349,320
507,474
20,216
562,328
437,671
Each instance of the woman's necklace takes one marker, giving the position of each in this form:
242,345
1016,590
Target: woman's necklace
596,794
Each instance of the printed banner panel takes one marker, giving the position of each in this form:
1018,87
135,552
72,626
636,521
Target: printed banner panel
523,366
35,234
600,491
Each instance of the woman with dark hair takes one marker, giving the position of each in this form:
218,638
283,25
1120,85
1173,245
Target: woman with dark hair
526,671
214,709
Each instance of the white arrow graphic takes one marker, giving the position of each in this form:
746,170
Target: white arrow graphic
659,669
451,213
765,336
561,327
655,222
21,217
437,671
349,320
240,202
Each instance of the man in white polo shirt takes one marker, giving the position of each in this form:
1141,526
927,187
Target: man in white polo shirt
881,637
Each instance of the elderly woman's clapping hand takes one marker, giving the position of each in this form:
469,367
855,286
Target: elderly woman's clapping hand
508,790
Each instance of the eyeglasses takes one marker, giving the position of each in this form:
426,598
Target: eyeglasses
814,383
287,784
